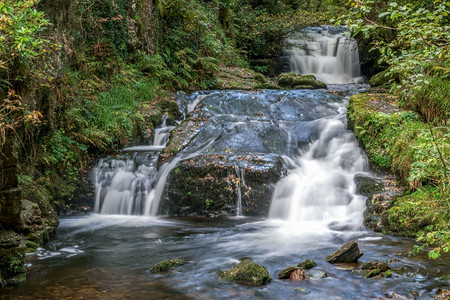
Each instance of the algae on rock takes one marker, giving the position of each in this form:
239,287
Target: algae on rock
248,273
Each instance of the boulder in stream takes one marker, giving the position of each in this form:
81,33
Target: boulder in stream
307,264
375,268
286,272
298,275
166,265
247,273
296,81
346,254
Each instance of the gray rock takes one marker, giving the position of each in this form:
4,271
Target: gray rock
346,254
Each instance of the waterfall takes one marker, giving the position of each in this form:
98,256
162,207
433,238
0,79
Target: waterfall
124,185
326,53
321,189
241,183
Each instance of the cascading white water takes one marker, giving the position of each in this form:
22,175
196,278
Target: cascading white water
321,189
123,186
326,53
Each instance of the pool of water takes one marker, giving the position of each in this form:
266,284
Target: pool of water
108,257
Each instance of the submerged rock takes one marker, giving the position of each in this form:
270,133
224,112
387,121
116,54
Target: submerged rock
374,268
375,264
298,275
315,274
346,254
248,273
166,265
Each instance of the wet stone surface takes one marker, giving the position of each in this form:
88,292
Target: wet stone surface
243,137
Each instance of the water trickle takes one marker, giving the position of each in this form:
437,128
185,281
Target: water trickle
241,183
326,53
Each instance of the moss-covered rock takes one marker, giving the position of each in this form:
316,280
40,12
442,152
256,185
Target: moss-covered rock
295,81
370,273
247,273
307,264
286,272
375,268
235,78
12,255
166,265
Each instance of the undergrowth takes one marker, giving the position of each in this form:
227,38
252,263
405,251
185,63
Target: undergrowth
417,152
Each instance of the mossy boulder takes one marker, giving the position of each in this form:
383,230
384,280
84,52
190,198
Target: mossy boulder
286,272
375,268
295,81
348,253
375,264
12,255
247,273
307,264
166,265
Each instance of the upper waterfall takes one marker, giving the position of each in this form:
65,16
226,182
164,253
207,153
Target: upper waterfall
326,53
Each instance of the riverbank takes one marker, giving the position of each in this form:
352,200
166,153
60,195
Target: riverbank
397,140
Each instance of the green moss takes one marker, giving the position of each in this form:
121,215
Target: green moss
166,265
415,151
387,274
247,273
370,273
307,264
292,80
12,262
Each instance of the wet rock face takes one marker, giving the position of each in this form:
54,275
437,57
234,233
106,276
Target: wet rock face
243,137
247,273
216,182
381,194
346,254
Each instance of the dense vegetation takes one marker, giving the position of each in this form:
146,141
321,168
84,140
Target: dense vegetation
411,40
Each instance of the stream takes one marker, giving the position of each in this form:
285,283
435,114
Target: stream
108,257
313,206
